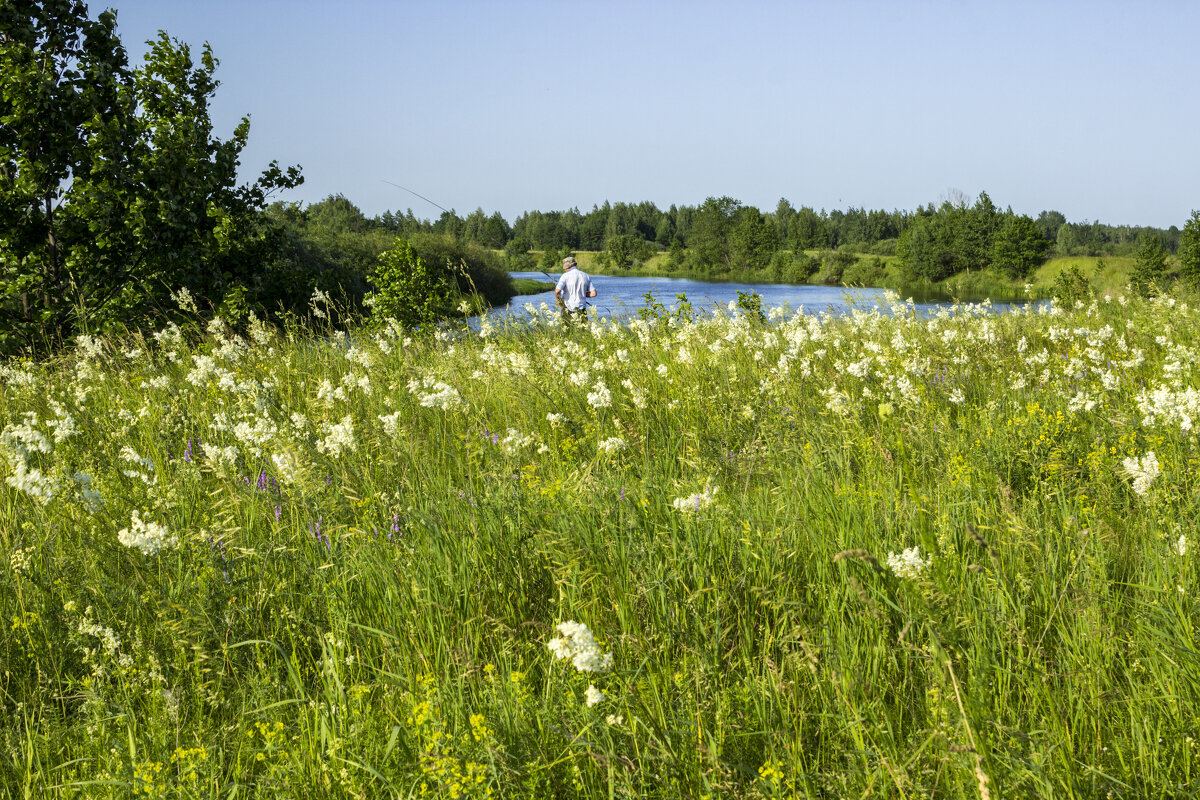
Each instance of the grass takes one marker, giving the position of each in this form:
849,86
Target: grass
369,541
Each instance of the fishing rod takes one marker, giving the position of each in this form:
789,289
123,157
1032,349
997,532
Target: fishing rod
448,211
498,246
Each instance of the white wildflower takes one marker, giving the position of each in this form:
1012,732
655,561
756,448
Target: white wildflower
149,537
613,445
338,437
594,696
579,645
695,503
1143,471
908,564
599,397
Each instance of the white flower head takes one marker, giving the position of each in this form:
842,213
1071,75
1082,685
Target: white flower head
1143,471
579,645
909,564
594,696
149,537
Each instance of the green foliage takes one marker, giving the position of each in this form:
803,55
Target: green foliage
1071,286
865,272
552,259
1150,269
834,264
472,268
1189,251
864,578
113,190
626,250
752,240
408,288
751,303
1019,247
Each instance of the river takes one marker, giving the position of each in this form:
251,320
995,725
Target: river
619,296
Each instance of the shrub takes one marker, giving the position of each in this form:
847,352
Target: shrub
1071,286
408,288
474,268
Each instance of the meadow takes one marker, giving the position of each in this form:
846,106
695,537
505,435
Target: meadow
738,556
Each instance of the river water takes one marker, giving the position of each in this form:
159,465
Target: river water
622,296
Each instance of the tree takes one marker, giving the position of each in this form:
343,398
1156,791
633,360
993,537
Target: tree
1150,266
625,250
1189,251
1019,247
408,289
752,239
113,190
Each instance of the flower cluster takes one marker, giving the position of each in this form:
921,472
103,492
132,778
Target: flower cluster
149,537
909,564
579,645
695,503
1143,471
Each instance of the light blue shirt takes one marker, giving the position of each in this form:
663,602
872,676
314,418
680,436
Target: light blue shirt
573,287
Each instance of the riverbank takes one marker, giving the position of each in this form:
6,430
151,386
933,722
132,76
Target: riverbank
1105,275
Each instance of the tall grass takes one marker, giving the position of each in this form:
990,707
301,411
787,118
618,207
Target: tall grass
368,543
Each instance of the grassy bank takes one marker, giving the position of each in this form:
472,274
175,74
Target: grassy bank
879,555
1106,275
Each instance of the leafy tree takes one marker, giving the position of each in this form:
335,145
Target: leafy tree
1071,286
752,239
1150,267
1019,247
709,237
1189,251
113,190
1049,222
806,231
625,250
408,289
928,249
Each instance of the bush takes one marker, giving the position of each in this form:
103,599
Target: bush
865,273
801,268
1071,286
474,268
408,288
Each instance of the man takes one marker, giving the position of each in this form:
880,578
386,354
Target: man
572,288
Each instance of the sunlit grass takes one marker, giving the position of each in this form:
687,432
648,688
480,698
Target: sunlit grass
370,542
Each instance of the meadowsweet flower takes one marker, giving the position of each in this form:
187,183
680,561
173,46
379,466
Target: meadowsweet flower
579,645
1143,471
599,397
149,537
555,419
1181,545
90,498
909,564
514,441
613,445
391,424
439,395
695,503
289,466
184,299
339,437
594,696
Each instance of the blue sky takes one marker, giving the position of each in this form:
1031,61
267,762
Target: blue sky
1086,108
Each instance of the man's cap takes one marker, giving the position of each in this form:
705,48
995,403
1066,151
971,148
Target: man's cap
569,262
